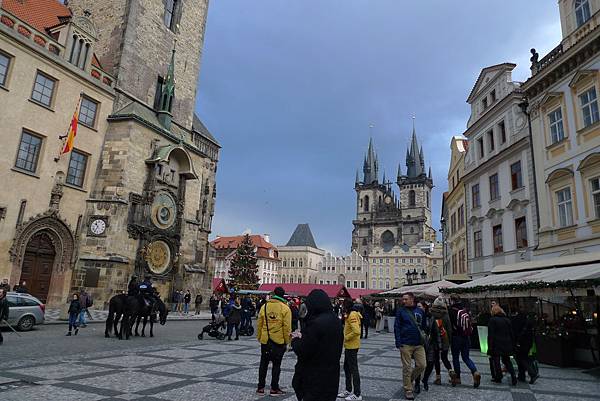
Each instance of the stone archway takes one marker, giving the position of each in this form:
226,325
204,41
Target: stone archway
62,240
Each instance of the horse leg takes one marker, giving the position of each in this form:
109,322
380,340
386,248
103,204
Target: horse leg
137,325
151,327
144,325
109,323
117,319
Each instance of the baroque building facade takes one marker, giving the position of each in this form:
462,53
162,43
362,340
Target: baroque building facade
350,270
562,95
146,177
454,216
498,174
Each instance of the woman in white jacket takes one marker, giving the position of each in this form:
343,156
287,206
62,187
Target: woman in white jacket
379,322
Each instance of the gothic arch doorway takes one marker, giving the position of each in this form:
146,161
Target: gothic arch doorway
38,261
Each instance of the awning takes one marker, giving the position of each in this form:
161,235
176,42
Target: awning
426,289
302,290
570,280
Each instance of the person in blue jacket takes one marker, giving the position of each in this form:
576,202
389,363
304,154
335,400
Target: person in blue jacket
409,330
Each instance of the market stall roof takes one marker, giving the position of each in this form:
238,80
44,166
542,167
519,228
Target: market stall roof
431,289
302,290
516,283
361,292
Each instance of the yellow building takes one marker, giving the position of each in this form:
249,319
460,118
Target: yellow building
454,214
565,122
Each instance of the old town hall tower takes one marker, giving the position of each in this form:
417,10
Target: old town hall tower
385,221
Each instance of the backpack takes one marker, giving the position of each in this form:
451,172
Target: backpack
464,324
89,302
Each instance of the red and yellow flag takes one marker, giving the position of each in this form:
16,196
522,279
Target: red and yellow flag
70,138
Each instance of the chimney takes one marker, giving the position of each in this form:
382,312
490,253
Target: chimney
267,238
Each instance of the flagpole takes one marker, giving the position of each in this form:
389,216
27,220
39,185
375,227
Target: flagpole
65,137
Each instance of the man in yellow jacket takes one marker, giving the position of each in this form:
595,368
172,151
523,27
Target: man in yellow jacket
351,347
273,329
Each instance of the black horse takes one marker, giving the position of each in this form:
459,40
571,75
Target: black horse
147,313
121,308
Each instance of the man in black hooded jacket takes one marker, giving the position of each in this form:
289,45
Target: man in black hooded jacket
319,349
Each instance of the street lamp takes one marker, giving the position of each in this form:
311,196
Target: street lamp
423,275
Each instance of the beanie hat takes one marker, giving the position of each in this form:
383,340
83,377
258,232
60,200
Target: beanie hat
280,292
439,301
439,308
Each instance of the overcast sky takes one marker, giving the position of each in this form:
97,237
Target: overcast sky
289,88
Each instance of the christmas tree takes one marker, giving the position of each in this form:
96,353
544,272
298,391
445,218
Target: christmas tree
243,268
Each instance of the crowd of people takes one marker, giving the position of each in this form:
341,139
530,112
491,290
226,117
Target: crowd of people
426,335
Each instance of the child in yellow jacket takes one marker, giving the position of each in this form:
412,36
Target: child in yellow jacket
351,347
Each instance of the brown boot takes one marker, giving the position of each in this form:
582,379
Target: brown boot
476,379
438,380
454,381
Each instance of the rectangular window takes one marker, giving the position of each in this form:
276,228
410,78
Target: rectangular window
565,207
362,284
87,112
493,95
453,223
461,216
475,195
484,103
170,9
521,232
595,184
582,12
43,89
490,135
502,129
589,107
355,284
461,256
497,236
557,131
494,187
348,284
481,149
4,64
29,152
516,176
478,245
77,165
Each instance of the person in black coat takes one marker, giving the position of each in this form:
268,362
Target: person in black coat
319,349
74,310
501,344
3,309
523,334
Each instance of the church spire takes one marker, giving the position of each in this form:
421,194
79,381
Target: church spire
414,157
399,175
371,165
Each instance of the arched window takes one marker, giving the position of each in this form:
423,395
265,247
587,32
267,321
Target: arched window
582,11
366,204
299,279
300,263
411,198
292,263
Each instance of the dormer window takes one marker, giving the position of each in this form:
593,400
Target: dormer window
582,12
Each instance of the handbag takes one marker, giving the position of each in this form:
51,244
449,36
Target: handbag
424,338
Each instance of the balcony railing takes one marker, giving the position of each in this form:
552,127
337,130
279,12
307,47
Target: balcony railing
537,66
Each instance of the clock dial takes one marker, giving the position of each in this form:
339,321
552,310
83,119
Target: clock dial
164,210
388,200
98,227
158,256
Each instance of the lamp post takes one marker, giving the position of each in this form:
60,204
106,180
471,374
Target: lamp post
423,275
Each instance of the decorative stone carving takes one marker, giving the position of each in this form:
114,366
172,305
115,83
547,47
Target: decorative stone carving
86,25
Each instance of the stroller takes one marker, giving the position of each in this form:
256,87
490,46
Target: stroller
213,329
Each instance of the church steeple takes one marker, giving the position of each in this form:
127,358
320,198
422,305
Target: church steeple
371,166
414,158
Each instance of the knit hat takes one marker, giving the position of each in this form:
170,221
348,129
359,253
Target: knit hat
439,308
279,291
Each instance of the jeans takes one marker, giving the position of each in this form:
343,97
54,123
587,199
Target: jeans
407,353
270,353
186,307
173,306
460,348
351,371
73,317
364,328
230,327
82,316
246,320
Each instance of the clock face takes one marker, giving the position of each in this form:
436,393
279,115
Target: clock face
98,227
164,210
388,200
158,257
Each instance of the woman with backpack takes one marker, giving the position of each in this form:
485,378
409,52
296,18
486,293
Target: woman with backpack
439,327
460,344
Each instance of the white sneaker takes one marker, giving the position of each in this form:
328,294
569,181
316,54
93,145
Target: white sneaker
344,394
353,397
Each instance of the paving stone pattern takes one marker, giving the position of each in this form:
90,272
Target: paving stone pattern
221,370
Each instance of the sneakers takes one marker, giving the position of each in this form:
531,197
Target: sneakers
353,397
260,391
277,392
409,395
68,334
476,379
344,394
76,330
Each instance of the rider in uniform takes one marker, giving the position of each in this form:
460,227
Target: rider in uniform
132,287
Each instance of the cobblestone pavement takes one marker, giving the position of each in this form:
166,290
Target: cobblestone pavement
221,370
52,316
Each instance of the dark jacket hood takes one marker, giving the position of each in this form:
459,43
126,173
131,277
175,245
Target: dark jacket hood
318,302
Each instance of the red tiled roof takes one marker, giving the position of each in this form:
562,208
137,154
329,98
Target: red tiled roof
40,14
302,290
234,241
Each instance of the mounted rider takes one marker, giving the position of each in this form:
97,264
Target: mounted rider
133,286
146,291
